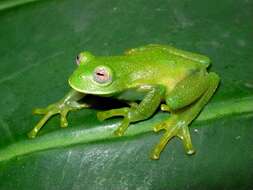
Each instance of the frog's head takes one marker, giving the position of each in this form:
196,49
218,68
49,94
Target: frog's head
94,76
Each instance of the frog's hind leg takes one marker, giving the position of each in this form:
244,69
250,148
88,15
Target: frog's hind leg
177,124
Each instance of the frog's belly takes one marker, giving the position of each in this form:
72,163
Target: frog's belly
137,95
134,94
131,95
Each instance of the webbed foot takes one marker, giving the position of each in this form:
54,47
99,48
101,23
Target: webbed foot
117,112
175,127
61,107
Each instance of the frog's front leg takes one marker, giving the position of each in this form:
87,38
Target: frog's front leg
139,112
189,97
68,103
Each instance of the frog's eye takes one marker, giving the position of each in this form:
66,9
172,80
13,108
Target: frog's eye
102,75
84,57
78,59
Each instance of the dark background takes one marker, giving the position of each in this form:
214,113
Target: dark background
39,42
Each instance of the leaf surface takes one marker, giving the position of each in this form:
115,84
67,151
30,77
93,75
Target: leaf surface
39,41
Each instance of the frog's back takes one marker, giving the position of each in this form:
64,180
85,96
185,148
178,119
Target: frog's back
162,64
167,53
155,64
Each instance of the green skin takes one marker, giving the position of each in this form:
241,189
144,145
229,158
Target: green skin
152,74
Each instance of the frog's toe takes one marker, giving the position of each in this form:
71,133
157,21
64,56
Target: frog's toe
119,132
123,127
173,129
64,122
38,126
39,111
101,116
159,127
184,135
165,125
155,154
32,134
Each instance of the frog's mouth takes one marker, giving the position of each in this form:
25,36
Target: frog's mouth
73,83
89,89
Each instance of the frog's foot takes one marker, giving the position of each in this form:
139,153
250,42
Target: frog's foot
61,108
116,112
175,127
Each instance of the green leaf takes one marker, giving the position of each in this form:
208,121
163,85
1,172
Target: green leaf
39,41
7,4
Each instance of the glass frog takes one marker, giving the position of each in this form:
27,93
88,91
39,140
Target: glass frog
148,77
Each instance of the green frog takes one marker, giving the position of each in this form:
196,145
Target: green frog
148,78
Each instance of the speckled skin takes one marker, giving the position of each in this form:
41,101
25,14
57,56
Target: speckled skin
152,74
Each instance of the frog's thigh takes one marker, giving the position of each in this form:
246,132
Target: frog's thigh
177,125
187,90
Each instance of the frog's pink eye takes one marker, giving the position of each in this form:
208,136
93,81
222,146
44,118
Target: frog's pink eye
102,75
